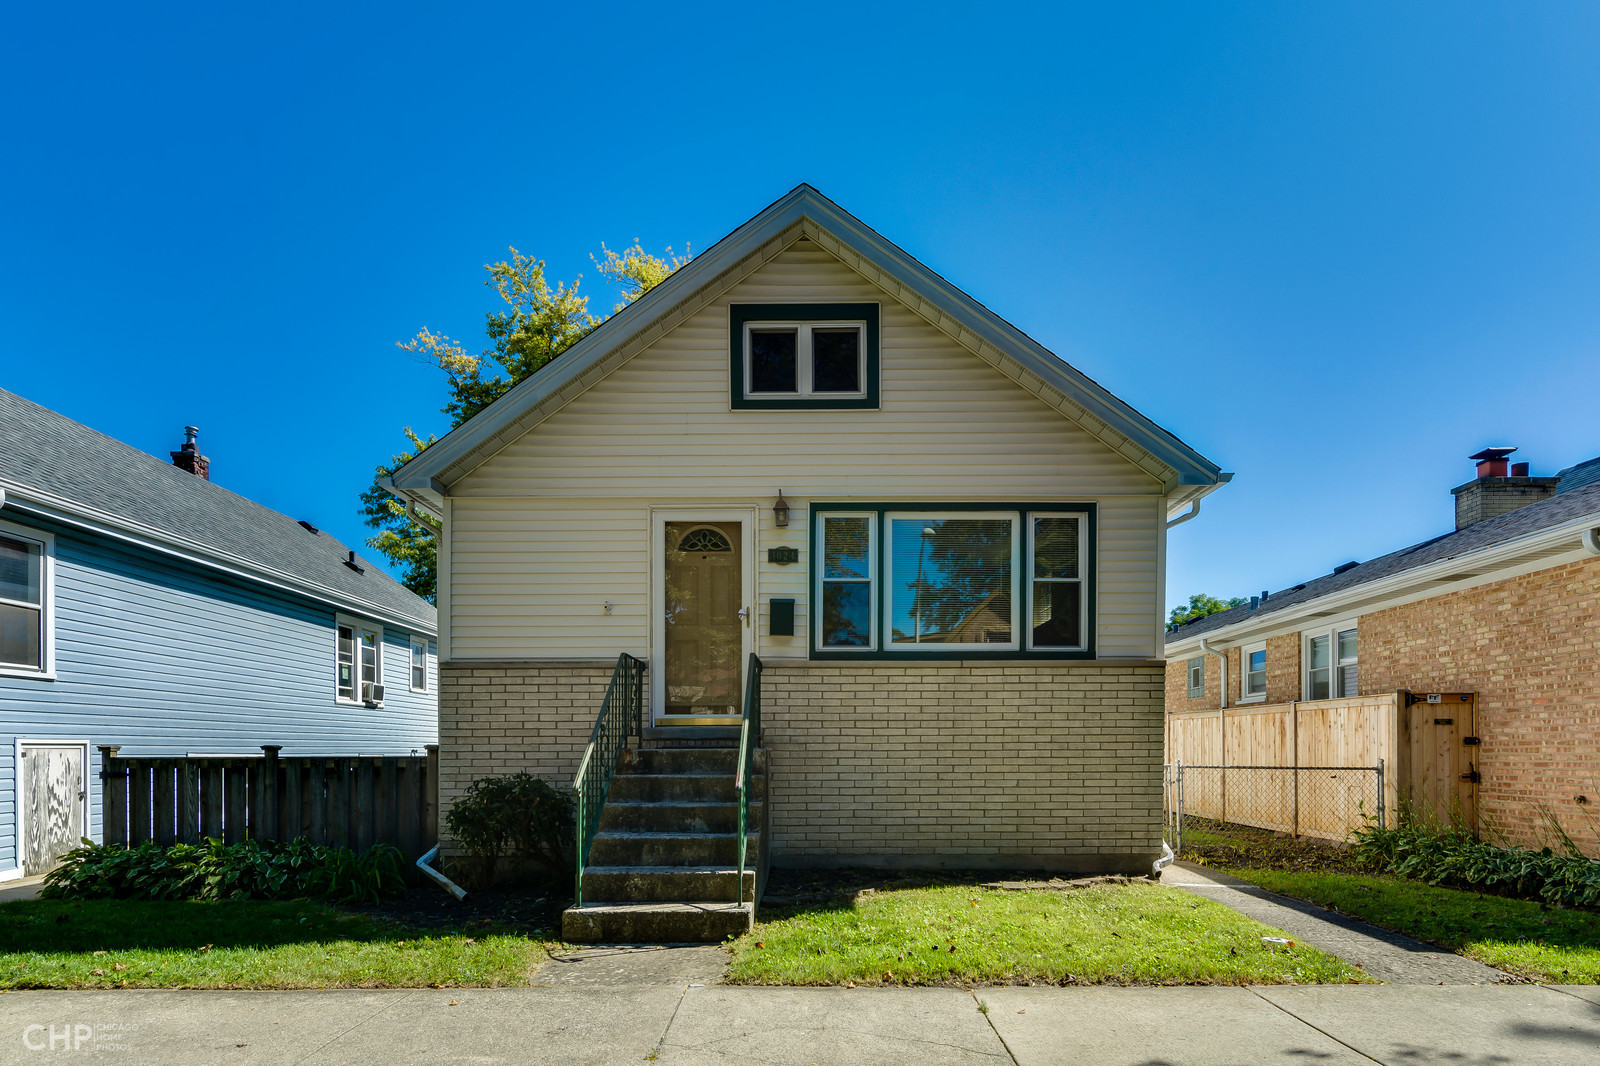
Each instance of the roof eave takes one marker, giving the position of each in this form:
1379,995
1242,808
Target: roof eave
1478,567
49,506
812,213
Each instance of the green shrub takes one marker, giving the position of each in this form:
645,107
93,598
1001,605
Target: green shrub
1455,857
213,870
518,813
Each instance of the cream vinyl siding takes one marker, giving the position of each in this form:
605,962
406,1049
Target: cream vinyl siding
557,523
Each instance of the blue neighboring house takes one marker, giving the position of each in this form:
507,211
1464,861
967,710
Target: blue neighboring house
143,606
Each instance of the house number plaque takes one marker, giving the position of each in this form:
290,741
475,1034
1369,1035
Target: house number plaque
783,555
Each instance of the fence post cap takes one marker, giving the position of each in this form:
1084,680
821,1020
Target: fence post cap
272,750
109,751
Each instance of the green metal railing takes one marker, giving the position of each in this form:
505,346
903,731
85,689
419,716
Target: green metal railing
621,716
749,740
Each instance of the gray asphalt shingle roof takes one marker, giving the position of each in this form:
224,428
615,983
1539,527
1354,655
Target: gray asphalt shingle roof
1530,519
48,452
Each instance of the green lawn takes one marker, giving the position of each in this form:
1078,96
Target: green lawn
1542,943
1135,933
150,944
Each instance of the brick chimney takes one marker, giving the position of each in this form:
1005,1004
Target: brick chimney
1495,492
190,458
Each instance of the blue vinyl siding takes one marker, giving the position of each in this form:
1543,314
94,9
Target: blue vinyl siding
163,657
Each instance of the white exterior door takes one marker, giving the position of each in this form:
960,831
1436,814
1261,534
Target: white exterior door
703,626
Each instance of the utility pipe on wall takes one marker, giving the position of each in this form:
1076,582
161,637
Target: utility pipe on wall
1222,670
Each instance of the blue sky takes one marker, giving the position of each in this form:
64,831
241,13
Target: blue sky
1334,247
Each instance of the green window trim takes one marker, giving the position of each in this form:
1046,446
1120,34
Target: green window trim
883,608
740,315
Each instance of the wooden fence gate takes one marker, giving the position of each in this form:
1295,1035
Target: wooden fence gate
351,800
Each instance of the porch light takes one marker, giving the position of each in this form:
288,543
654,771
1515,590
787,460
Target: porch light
780,511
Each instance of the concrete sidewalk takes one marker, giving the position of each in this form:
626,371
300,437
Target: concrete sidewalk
1390,957
717,1025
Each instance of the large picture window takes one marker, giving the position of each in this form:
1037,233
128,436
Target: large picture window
969,581
24,602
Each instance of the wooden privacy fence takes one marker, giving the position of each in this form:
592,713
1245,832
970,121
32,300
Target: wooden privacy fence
351,800
1356,733
1295,767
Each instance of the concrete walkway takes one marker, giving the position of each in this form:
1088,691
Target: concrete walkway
22,888
1388,956
633,1017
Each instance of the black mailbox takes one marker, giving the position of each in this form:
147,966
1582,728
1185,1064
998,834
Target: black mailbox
782,612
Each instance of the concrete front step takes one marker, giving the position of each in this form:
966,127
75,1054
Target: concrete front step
680,788
665,884
674,816
656,923
671,849
679,761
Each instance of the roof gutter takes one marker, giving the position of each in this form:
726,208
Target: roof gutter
421,518
1578,533
55,509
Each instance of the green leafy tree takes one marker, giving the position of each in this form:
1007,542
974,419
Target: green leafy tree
1199,606
538,323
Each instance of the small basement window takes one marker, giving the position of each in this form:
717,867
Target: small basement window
785,356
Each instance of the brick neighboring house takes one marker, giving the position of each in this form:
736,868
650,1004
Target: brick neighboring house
943,542
1507,607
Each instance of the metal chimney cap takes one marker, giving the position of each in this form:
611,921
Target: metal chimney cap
1492,453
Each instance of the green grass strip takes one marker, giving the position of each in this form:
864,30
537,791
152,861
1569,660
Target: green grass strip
1529,939
242,944
1114,934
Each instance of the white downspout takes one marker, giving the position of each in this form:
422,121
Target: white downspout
1591,537
1181,519
1222,671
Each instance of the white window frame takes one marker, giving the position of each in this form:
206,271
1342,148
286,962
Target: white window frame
803,355
821,556
1247,650
1194,691
356,626
418,642
46,670
1016,520
1023,570
1331,631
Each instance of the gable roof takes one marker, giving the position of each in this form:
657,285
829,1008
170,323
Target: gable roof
59,468
1185,474
1539,531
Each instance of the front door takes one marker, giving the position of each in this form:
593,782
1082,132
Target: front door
52,795
705,621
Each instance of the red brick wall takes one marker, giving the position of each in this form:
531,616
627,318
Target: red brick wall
1530,647
1283,677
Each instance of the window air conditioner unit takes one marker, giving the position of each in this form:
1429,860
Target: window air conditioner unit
374,695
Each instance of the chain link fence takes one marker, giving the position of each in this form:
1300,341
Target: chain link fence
1233,806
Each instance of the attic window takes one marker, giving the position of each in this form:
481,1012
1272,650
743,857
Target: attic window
787,356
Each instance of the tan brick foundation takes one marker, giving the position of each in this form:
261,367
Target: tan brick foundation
1044,766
